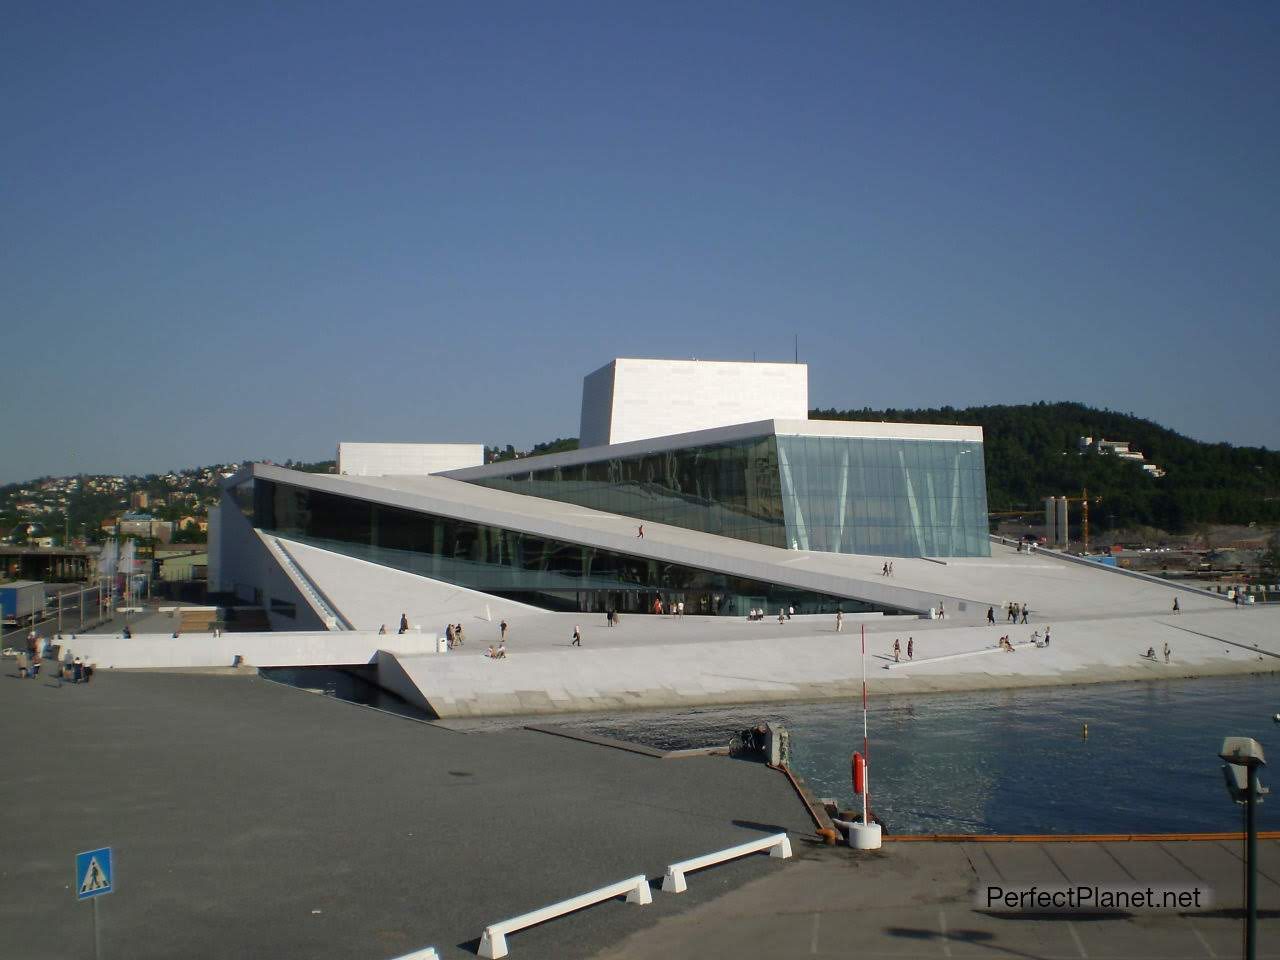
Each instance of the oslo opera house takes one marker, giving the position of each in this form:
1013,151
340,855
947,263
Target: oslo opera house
745,504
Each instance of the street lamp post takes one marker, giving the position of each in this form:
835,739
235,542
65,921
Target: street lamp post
1244,757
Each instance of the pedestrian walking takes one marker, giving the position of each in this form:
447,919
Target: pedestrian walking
897,650
884,571
640,532
991,615
891,568
577,636
1176,608
404,623
791,611
911,648
839,620
1024,613
942,611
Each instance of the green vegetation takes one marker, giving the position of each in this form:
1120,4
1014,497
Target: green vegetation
1032,451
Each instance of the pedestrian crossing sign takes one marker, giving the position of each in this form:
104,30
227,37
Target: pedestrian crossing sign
94,875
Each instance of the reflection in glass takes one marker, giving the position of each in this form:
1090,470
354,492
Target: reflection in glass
552,574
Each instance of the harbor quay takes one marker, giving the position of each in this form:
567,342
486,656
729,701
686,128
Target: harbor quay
249,818
252,819
928,900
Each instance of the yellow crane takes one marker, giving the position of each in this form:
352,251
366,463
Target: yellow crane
1084,500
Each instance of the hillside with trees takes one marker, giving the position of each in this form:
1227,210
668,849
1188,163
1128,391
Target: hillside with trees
1032,451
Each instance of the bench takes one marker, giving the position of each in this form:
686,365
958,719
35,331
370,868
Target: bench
778,846
493,943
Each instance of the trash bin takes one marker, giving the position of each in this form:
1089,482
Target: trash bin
442,645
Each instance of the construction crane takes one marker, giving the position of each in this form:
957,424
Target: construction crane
1084,500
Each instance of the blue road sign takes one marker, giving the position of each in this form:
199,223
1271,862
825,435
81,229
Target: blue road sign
94,875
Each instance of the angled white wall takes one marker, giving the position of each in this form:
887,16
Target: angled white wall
633,399
406,459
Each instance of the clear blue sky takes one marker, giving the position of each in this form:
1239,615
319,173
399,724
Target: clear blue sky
254,230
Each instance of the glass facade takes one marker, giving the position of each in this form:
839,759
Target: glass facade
902,498
730,489
552,574
897,498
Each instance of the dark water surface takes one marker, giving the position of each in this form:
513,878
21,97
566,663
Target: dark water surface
1000,761
1015,761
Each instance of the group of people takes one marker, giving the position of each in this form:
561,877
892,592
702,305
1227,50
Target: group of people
611,618
39,648
453,635
783,614
676,609
1151,652
500,651
897,649
887,569
1012,612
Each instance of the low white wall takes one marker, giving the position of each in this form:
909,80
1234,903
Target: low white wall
268,649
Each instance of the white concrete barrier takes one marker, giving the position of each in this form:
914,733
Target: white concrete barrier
426,953
778,846
493,943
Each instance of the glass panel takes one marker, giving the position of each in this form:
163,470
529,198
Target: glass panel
551,574
850,495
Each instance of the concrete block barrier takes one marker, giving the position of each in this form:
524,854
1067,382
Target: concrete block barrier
778,845
426,953
493,943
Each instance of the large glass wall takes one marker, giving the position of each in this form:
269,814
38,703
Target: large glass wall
898,498
902,498
730,489
551,574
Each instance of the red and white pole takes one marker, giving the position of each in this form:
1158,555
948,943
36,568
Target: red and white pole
866,785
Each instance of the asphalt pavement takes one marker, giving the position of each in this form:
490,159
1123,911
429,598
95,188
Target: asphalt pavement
250,819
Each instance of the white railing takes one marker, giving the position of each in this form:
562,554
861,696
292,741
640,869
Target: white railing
426,953
494,942
333,620
778,846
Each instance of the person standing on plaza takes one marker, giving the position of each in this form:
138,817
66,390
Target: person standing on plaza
1167,651
680,608
991,615
1024,613
404,623
911,648
791,611
839,620
1176,608
897,650
448,636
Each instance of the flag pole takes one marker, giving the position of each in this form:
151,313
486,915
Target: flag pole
866,780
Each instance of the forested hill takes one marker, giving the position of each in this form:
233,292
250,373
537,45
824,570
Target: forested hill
1032,451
